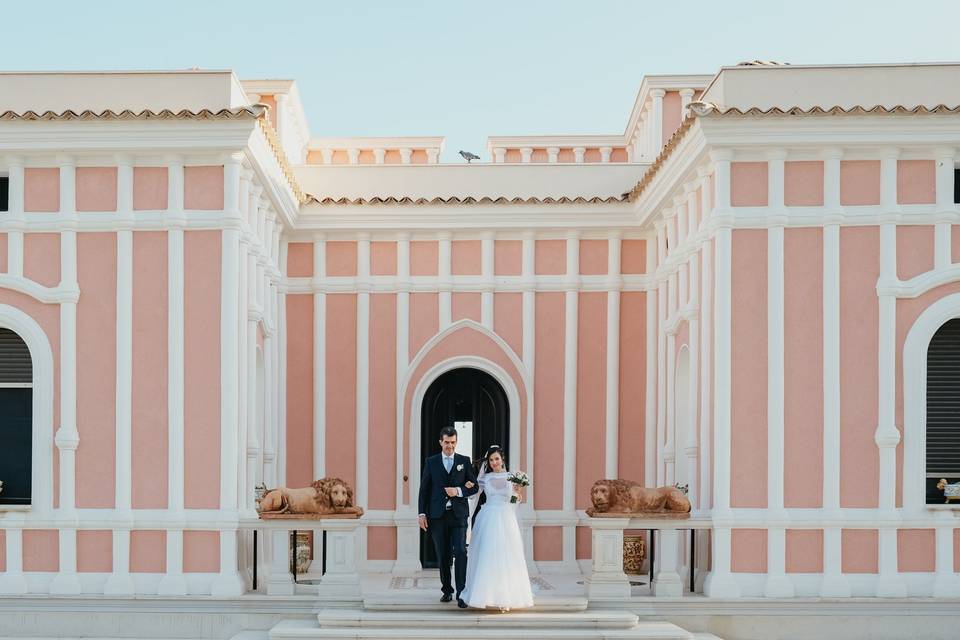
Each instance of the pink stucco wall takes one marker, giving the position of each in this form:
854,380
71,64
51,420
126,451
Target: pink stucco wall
507,257
150,355
465,257
41,189
300,390
548,394
803,367
203,188
465,305
508,319
803,183
201,388
383,408
94,551
96,374
341,389
804,550
748,431
591,393
341,258
96,188
858,550
300,259
859,459
149,188
633,380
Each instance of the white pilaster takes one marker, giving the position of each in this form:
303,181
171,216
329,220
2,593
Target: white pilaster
706,317
662,311
656,121
525,154
578,153
834,583
363,368
612,432
405,155
553,154
403,347
12,580
15,214
946,582
653,330
686,95
486,271
499,155
946,208
319,359
571,332
605,153
445,283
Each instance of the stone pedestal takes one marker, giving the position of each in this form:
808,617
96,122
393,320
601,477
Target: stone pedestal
666,579
342,577
607,579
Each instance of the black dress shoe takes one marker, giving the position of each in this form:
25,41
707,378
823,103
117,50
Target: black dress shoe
461,603
447,597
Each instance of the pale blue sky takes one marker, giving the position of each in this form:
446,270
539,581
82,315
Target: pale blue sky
467,70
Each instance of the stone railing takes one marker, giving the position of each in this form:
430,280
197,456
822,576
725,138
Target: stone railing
341,578
607,578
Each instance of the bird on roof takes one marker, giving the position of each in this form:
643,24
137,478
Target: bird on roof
466,155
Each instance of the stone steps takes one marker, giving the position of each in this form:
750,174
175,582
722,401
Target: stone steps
357,624
430,602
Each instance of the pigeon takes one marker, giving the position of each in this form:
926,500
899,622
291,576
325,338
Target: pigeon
466,155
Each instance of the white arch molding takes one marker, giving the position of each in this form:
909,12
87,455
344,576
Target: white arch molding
41,355
915,395
408,550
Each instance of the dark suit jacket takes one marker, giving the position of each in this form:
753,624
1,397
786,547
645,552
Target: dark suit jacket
433,498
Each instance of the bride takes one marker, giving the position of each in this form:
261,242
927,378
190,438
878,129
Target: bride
497,570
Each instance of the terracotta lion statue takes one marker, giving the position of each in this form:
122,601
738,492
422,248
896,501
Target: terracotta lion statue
627,496
324,497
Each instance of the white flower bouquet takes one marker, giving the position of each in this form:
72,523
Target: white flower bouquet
520,479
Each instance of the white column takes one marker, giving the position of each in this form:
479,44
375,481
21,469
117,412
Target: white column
405,154
67,437
486,270
946,209
525,154
686,95
656,122
778,585
12,580
653,330
445,283
662,312
886,436
279,580
499,155
120,582
433,156
173,582
605,154
706,317
946,583
363,367
553,154
353,156
612,449
834,584
578,153
720,583
319,359
229,582
15,215
570,392
379,155
667,582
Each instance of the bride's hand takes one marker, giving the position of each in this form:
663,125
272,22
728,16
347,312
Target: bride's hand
469,485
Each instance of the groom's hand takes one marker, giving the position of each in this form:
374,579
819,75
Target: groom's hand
451,492
423,522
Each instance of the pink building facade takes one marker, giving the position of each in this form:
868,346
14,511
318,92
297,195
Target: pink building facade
738,294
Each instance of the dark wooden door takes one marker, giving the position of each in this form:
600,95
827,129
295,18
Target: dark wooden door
462,395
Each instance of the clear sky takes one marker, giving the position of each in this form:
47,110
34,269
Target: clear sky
463,69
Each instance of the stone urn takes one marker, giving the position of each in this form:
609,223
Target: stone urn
300,554
634,553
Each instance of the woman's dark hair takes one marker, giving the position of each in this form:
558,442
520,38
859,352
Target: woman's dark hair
494,448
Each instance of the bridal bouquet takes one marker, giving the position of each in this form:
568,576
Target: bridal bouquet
520,479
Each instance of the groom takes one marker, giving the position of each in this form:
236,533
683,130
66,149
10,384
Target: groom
448,480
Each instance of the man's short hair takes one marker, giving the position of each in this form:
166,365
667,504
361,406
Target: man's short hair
446,432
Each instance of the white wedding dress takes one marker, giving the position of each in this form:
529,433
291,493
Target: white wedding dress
496,567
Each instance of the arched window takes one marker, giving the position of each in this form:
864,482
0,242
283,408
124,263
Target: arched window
16,419
943,409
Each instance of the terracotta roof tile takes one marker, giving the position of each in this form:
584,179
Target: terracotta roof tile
252,112
709,110
463,200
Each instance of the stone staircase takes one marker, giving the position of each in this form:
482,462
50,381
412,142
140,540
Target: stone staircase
565,621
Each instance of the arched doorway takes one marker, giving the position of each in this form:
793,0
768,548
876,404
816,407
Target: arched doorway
472,401
943,409
16,420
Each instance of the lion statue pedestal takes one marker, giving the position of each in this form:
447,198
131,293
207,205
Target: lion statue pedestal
327,498
626,498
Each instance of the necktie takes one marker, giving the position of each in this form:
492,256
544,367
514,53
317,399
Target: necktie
447,463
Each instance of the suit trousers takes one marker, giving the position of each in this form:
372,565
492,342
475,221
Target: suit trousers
449,534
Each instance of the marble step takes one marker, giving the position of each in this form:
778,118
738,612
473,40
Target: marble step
430,602
597,619
506,627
